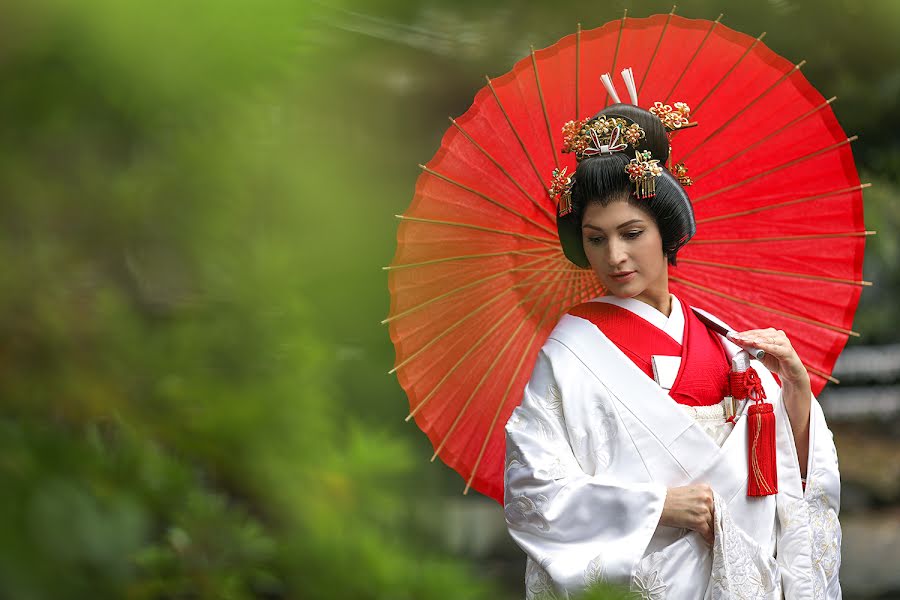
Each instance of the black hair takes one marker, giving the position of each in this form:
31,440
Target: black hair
602,178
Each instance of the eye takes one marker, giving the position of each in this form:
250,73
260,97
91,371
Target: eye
596,240
634,233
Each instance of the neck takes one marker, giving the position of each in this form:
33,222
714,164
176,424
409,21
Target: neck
658,298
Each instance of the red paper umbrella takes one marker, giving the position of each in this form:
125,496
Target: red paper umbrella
479,278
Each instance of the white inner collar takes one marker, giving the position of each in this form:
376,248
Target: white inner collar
673,325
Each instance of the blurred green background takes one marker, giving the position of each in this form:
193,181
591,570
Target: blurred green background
196,200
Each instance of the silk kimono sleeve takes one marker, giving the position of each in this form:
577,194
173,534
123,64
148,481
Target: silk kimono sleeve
573,519
808,546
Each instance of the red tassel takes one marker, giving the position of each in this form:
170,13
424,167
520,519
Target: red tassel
763,480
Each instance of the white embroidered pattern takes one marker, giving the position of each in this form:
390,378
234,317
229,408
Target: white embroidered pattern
552,404
514,460
538,585
605,432
646,582
595,572
594,450
740,571
516,422
524,512
556,469
825,533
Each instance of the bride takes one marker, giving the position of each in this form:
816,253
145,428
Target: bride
630,458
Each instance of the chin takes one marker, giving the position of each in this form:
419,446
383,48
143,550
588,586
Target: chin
621,291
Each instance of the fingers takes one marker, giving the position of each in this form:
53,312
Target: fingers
773,341
707,533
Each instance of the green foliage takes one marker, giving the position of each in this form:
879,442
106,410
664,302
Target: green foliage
196,201
172,425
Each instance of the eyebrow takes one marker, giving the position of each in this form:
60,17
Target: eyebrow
625,224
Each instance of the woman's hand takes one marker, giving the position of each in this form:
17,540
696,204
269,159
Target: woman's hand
796,391
691,507
780,355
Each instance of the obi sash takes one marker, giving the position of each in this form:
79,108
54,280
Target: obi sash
702,378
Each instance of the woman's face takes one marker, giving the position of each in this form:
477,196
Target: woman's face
624,247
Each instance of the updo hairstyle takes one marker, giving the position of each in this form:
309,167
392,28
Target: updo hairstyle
602,178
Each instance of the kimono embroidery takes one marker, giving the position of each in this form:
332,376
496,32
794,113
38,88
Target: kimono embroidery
740,571
594,573
646,583
522,511
538,585
596,443
825,531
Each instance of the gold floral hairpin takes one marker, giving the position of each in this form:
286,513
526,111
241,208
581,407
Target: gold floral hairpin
643,171
603,135
673,117
561,191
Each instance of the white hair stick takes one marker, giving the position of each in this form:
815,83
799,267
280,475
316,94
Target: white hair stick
608,84
628,76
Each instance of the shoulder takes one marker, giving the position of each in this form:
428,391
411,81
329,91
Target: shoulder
576,333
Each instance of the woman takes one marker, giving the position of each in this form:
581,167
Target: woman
623,462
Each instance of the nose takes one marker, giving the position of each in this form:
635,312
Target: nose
617,253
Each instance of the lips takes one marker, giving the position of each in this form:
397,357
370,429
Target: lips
621,274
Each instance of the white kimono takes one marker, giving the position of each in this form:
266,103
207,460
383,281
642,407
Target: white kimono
591,451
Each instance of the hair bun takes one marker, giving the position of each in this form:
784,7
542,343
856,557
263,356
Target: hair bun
656,139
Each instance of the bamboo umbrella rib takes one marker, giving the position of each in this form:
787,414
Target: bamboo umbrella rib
775,311
537,80
655,51
821,373
616,52
577,71
760,209
687,67
503,170
559,257
489,370
579,277
787,238
502,402
735,116
460,361
459,322
452,292
425,263
484,196
516,133
758,143
775,272
767,172
729,72
551,242
551,270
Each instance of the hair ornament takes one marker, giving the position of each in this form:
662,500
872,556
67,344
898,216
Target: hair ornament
603,135
680,173
561,191
672,117
610,88
628,76
643,171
